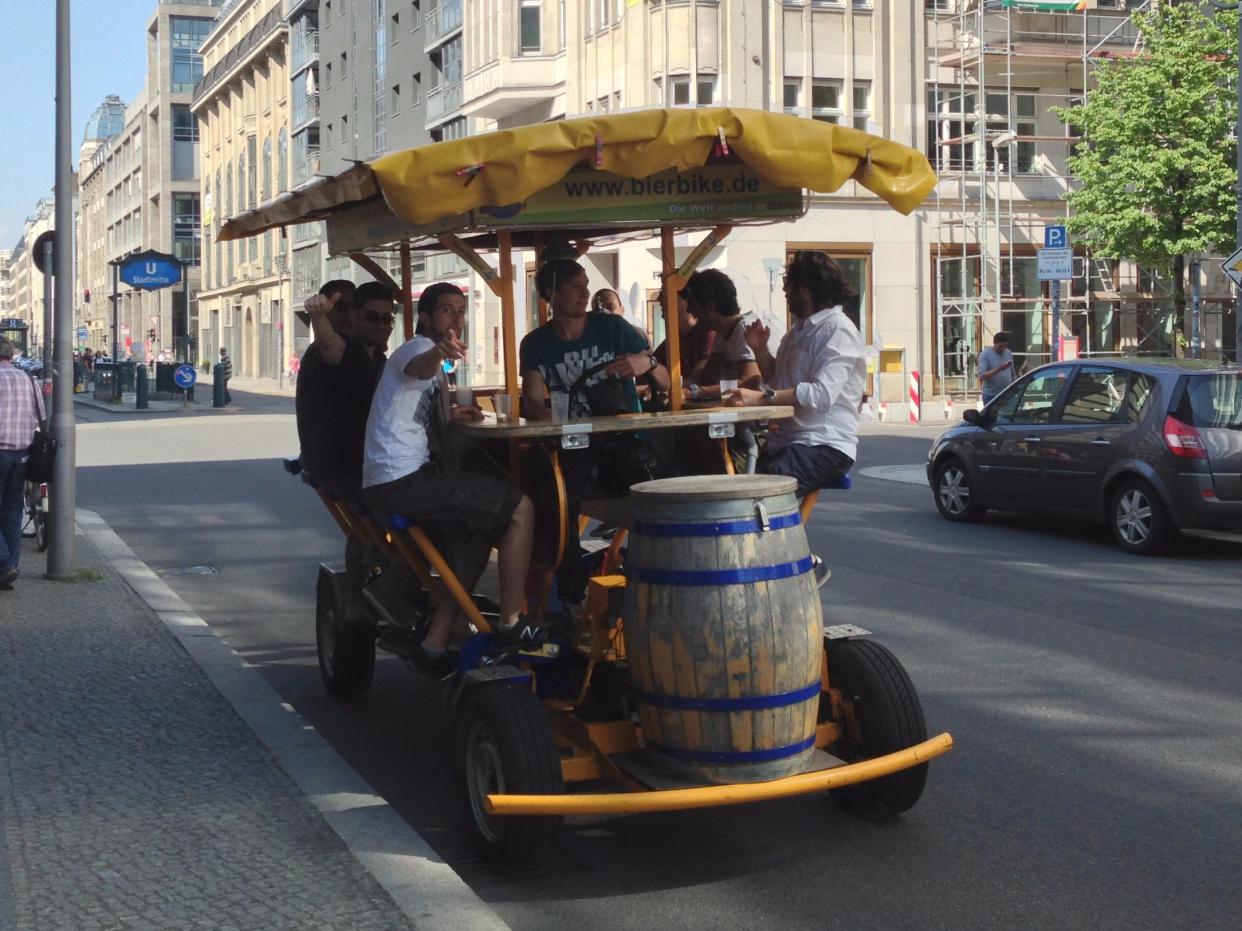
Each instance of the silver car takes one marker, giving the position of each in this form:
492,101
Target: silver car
1150,446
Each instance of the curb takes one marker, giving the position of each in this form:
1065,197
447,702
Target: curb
421,884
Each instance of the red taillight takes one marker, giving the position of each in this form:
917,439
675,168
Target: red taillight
1183,439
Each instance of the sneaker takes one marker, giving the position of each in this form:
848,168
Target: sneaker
821,570
436,665
8,577
524,633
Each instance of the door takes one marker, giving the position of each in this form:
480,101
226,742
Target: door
1007,454
1212,404
1099,408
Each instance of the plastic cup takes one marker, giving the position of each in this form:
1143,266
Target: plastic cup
503,408
560,405
464,396
726,386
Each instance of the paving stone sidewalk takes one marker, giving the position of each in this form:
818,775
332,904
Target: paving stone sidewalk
132,795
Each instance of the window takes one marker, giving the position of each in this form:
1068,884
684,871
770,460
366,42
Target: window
267,169
282,160
679,91
793,95
252,176
862,105
826,100
186,228
705,90
1024,109
1095,396
379,86
1034,401
184,125
395,104
186,34
529,12
416,88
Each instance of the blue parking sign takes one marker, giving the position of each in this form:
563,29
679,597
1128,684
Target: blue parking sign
1055,237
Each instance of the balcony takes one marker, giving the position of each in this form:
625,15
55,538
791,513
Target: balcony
304,52
508,85
305,109
443,101
442,21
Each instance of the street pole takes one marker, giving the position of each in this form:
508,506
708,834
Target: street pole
1237,304
63,490
1056,321
1196,333
116,330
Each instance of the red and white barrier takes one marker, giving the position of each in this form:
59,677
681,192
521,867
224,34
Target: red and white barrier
914,396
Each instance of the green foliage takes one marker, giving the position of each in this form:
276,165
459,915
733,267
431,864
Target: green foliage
1157,162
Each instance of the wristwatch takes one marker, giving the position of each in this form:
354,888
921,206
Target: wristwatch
651,357
769,394
693,389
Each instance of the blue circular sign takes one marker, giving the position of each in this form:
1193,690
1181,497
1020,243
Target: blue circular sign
185,376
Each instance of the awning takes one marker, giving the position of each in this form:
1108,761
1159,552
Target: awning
446,179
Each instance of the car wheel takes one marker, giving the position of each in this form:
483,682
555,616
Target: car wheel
1138,519
881,714
346,656
505,745
955,492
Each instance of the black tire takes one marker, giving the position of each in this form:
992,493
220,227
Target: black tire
889,718
954,492
40,531
1137,518
505,745
346,657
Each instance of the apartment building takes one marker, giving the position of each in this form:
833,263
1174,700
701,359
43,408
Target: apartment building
6,284
26,281
242,105
94,277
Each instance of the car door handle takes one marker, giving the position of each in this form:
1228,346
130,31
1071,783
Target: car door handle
1100,441
1031,439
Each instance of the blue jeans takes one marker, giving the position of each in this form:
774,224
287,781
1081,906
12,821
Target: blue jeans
12,503
812,466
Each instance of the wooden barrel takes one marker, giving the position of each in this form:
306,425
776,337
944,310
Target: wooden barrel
723,628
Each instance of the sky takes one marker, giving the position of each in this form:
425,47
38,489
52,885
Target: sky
108,56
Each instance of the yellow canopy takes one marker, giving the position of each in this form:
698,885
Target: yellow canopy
445,179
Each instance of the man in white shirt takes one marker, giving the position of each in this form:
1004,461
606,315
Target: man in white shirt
399,477
819,369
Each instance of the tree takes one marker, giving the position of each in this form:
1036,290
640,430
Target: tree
1156,165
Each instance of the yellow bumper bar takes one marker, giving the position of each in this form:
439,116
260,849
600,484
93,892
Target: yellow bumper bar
626,803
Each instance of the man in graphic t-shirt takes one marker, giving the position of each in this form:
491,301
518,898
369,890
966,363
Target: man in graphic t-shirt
552,359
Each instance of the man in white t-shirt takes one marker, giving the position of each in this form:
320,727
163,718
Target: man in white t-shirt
399,477
712,298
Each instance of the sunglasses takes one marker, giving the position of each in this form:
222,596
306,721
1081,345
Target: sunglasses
372,316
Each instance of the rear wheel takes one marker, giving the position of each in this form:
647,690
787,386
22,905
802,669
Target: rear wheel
955,492
1138,519
505,746
346,656
882,715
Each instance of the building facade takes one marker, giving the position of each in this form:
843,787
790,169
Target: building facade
242,106
26,281
93,290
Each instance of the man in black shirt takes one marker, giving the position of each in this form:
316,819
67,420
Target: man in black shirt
335,384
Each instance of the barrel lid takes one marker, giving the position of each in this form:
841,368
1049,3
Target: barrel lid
715,487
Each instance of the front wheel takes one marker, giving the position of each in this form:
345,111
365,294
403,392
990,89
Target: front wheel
1137,518
880,714
505,746
346,656
955,492
36,515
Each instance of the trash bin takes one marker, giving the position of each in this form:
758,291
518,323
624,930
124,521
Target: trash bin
127,376
105,381
164,381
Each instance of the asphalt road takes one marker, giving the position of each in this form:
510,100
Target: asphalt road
1095,700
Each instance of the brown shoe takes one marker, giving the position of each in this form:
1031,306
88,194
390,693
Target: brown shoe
8,577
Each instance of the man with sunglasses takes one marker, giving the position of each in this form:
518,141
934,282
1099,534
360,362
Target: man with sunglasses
337,378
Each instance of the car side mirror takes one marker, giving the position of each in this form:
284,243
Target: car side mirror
972,416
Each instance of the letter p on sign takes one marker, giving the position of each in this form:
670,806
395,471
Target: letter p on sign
1055,237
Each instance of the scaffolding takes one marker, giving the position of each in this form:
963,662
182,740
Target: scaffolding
996,70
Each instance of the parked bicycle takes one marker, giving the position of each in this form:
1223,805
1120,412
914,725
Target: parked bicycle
34,523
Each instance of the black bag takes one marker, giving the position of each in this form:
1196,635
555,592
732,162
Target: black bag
42,450
604,398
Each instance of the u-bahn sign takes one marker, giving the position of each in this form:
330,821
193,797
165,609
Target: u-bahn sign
151,270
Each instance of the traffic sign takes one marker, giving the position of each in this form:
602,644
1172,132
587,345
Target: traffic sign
185,376
82,334
1232,268
1055,264
151,270
1056,237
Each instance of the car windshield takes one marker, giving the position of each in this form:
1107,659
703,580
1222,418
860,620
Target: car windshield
1212,401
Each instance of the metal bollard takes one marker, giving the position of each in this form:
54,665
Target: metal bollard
140,388
217,385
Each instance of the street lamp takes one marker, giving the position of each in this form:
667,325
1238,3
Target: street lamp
1237,307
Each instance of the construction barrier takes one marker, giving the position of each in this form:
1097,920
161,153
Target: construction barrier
914,396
